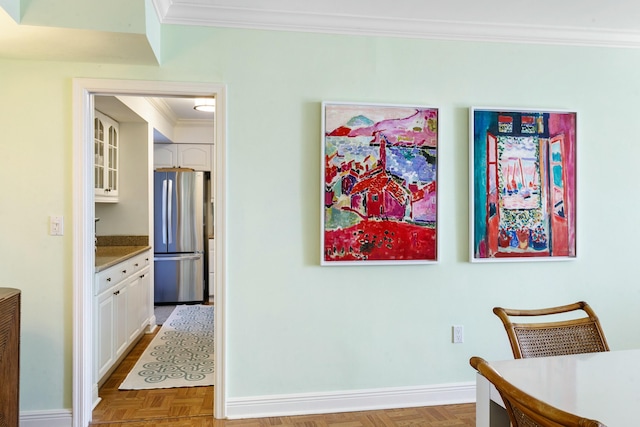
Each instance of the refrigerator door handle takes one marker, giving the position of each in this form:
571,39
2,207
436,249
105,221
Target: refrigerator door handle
177,257
170,205
164,211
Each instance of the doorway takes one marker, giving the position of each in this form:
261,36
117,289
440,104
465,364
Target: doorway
83,209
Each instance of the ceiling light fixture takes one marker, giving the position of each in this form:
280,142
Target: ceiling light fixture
205,104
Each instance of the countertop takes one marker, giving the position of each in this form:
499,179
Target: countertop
107,256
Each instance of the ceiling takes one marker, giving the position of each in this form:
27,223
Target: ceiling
183,108
175,109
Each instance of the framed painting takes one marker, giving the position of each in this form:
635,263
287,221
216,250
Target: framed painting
379,184
522,184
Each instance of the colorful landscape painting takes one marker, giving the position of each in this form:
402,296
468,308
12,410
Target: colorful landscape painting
379,184
523,185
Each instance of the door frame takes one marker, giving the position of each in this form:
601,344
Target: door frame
83,227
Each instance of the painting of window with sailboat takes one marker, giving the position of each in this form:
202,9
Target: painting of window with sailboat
523,185
379,180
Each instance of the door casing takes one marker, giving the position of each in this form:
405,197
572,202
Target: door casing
83,223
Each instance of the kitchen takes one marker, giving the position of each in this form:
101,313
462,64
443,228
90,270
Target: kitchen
124,294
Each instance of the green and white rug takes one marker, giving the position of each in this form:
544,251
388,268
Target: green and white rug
180,355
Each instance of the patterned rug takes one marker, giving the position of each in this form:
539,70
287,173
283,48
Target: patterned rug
180,355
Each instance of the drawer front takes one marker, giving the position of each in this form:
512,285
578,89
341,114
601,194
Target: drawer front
115,274
109,277
138,262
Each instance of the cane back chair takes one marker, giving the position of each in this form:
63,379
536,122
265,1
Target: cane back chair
525,410
553,338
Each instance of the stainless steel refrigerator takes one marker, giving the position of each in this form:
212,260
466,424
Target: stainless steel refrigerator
180,242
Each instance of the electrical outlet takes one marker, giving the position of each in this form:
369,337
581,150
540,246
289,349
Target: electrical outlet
458,334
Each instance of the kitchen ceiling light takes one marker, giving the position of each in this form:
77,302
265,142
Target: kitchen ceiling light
205,104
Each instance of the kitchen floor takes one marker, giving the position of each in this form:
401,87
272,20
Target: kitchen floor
149,406
162,313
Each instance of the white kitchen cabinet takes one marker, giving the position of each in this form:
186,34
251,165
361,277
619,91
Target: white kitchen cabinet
194,156
106,148
122,309
146,306
110,330
165,155
105,315
137,303
120,324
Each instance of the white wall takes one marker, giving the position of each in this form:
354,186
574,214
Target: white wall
130,216
293,326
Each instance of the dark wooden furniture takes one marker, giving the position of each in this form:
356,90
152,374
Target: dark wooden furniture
9,357
525,410
547,337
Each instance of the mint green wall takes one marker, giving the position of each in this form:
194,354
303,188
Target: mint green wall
12,7
295,327
153,29
120,16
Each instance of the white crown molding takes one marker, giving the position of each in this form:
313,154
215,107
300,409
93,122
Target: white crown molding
163,108
350,401
162,8
206,14
195,123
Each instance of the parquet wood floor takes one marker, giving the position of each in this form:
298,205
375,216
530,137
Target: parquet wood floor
193,406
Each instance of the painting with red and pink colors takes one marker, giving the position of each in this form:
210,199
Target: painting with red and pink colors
379,180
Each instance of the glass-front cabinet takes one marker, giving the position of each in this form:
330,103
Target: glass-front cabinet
105,149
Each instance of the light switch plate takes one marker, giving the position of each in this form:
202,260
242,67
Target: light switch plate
56,226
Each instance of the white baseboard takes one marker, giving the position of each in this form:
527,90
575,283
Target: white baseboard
308,403
57,418
349,401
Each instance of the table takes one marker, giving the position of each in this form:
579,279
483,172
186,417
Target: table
602,386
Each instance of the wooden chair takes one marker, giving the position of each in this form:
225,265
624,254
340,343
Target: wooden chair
525,410
553,338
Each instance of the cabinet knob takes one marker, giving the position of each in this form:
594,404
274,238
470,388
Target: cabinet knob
108,279
124,271
142,276
136,264
116,293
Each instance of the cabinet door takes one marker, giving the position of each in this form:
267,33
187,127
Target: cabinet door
106,158
145,308
105,332
134,302
196,156
138,303
99,154
165,155
120,322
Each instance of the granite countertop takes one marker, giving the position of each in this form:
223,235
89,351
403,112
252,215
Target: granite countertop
107,256
111,250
